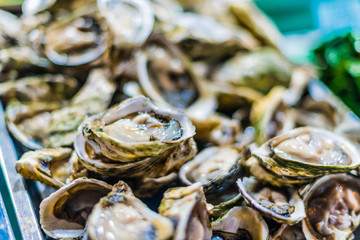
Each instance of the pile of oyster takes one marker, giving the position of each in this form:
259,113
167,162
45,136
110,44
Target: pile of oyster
123,101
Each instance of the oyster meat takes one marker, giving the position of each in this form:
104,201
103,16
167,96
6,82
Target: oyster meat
332,207
120,215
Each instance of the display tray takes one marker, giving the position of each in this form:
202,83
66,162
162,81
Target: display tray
26,195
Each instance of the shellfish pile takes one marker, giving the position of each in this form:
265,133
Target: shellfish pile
121,100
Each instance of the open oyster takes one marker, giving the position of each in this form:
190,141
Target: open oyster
332,207
260,69
71,20
46,87
46,125
289,232
127,33
208,39
302,104
64,213
186,208
214,167
240,223
120,215
282,204
136,137
50,166
166,76
308,152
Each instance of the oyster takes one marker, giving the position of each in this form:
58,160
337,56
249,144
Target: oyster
64,213
252,18
282,204
260,69
289,232
208,39
20,59
46,87
9,29
216,129
165,75
132,32
120,215
136,137
240,223
214,167
186,208
52,127
301,105
332,207
49,166
308,152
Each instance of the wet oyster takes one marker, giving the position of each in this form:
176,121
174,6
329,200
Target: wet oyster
64,213
208,39
332,207
46,87
48,126
165,75
260,69
216,129
130,21
282,204
20,59
289,232
240,223
308,152
302,104
50,166
120,215
214,167
186,208
136,137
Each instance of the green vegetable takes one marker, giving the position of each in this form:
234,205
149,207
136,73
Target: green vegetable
339,65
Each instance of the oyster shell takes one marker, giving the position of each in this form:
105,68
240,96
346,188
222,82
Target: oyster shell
216,129
166,76
48,126
240,223
289,232
308,152
127,33
49,166
208,39
136,137
282,204
260,69
46,87
63,214
214,167
120,215
332,207
300,105
186,208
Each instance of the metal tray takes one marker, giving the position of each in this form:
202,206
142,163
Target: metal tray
26,195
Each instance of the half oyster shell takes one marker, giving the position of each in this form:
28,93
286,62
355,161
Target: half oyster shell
50,166
64,213
308,152
332,207
214,167
282,204
240,223
186,208
120,215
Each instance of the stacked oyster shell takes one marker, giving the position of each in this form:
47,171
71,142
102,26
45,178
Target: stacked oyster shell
125,101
